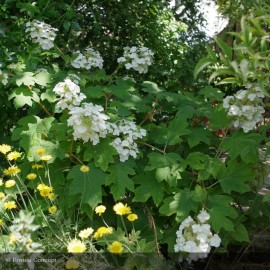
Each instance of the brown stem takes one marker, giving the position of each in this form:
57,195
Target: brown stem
153,225
149,145
45,109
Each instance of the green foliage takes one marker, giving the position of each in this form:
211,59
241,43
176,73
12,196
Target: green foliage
86,185
190,158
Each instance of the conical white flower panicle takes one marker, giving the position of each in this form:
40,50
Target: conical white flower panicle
196,238
88,122
127,133
41,33
137,58
87,59
69,94
245,107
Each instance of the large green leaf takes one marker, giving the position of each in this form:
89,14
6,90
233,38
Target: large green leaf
43,78
234,177
197,136
158,160
148,187
151,88
23,96
243,145
240,233
219,118
180,204
26,78
224,47
119,180
221,212
102,153
203,63
121,89
88,186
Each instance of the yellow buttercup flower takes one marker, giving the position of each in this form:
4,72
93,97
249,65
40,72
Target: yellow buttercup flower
76,246
46,157
121,209
52,196
84,168
44,190
12,170
41,151
14,155
84,234
10,183
100,209
116,247
52,209
2,195
10,205
102,231
72,264
31,176
132,217
1,222
37,166
4,148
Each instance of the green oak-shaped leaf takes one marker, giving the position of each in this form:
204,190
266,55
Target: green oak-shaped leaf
243,145
119,180
88,186
221,212
180,204
148,187
235,176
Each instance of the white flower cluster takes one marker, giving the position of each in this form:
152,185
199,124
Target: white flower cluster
245,107
88,122
3,77
88,59
70,95
138,58
196,238
41,33
127,133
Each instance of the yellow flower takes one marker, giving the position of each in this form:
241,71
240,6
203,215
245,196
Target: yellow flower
84,168
132,217
72,264
14,155
10,183
10,205
37,166
46,157
2,195
102,231
52,209
76,246
116,247
100,209
121,209
83,234
41,151
31,176
4,148
52,196
1,222
44,190
12,170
